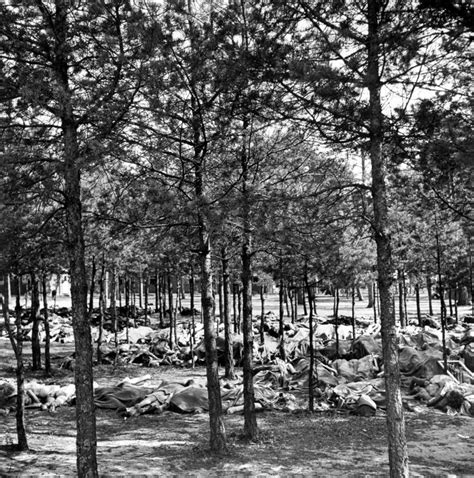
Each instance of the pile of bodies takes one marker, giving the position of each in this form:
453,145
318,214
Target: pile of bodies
347,379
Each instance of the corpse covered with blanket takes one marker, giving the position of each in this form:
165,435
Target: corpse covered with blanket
182,397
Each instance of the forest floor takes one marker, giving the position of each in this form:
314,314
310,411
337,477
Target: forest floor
322,444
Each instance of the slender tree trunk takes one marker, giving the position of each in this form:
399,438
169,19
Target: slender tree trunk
101,309
250,419
164,299
92,286
170,306
119,291
429,284
281,332
450,301
441,298
336,318
311,344
113,303
218,442
286,293
353,314
234,305
36,320
86,440
16,341
397,446
303,294
456,297
239,309
262,315
146,286
106,290
228,340
400,300
191,303
291,296
47,333
140,288
418,307
375,303
157,291
370,295
221,303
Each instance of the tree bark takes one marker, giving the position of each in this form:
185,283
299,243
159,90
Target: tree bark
336,319
47,333
397,446
86,440
370,295
418,308
311,345
262,315
157,291
16,341
191,304
429,284
36,319
228,341
146,286
101,309
113,303
92,286
281,332
250,419
170,307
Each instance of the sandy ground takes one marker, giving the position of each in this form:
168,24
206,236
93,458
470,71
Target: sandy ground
291,444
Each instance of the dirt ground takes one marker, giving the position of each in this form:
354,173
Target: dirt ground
173,444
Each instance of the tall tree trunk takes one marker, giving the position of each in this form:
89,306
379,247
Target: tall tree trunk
140,288
146,286
441,298
281,331
164,296
353,314
86,440
16,341
157,291
456,297
370,295
221,303
239,309
218,441
36,320
191,303
303,297
101,309
429,285
311,344
418,308
397,447
401,302
170,307
92,286
336,319
234,306
113,304
250,419
262,315
228,340
375,302
47,333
